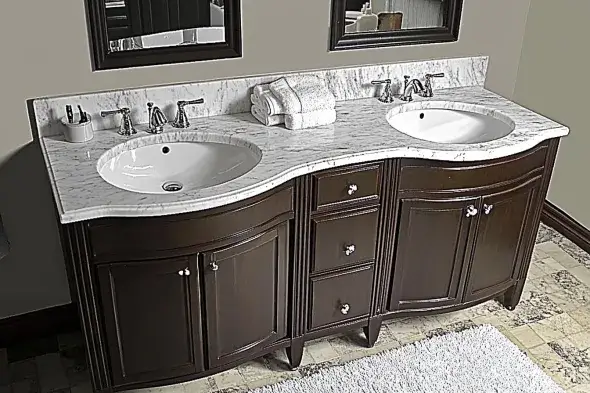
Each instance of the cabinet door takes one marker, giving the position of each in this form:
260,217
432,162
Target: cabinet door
152,317
246,295
433,240
503,223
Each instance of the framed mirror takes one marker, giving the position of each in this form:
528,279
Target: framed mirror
357,24
131,33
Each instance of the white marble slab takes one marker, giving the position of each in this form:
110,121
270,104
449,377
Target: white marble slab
361,133
233,96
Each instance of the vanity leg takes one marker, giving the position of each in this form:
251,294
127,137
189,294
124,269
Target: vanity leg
372,330
295,352
511,297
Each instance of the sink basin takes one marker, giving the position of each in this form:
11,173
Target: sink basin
195,162
449,122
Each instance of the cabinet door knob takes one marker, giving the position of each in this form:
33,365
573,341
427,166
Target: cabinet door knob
181,272
345,308
471,211
187,272
352,188
487,209
213,266
350,249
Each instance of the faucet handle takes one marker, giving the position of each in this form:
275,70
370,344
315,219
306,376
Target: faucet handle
387,95
382,81
181,120
427,92
126,128
439,75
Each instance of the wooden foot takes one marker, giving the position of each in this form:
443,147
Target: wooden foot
295,352
372,331
511,297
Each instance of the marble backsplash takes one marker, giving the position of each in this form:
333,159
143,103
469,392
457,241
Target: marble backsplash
233,95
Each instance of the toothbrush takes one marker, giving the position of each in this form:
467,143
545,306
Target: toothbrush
83,118
70,114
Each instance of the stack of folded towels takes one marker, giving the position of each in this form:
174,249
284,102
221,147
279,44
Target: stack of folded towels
298,101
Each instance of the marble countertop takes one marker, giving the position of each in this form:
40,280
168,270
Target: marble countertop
361,133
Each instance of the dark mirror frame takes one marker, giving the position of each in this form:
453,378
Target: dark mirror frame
102,59
449,32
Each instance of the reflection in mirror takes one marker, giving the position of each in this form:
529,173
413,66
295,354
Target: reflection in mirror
388,15
140,24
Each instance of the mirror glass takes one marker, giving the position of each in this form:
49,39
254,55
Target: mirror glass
147,24
364,16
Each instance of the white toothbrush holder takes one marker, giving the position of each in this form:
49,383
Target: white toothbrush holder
76,132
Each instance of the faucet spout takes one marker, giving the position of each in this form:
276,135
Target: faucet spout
157,119
410,87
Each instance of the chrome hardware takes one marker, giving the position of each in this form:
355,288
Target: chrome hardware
411,86
350,249
157,119
213,266
487,209
187,272
345,308
387,94
181,272
352,188
181,120
126,128
471,211
427,92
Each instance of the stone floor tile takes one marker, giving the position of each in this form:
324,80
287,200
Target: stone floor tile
565,259
580,340
585,388
269,380
582,273
255,369
535,271
556,367
548,248
321,351
228,379
547,284
556,327
203,385
343,345
527,336
581,315
52,375
549,265
409,338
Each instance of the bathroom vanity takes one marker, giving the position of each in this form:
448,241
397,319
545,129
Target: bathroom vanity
327,230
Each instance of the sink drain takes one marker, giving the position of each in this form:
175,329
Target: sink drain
172,186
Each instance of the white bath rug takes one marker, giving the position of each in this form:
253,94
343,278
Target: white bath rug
476,360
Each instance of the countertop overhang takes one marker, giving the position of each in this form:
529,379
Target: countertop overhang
361,134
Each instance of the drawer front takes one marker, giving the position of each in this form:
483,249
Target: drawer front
113,239
359,183
418,175
340,297
345,239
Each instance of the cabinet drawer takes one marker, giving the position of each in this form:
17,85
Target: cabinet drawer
116,239
340,297
417,175
345,239
359,183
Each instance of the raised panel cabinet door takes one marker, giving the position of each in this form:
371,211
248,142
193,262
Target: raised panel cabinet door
503,225
152,319
246,295
432,245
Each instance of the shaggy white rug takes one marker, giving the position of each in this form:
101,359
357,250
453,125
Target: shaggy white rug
476,360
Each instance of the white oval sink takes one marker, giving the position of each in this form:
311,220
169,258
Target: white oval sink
449,122
177,165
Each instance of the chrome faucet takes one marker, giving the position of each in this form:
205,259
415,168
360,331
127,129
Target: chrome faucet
387,94
157,119
411,86
126,128
181,120
428,84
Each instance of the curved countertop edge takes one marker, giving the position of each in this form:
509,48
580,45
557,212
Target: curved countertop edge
241,194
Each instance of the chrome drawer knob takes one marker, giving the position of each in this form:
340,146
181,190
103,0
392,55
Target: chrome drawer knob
487,209
471,211
350,249
345,308
213,266
184,272
181,272
352,188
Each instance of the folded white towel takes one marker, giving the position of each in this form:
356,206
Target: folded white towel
268,120
301,94
268,102
319,118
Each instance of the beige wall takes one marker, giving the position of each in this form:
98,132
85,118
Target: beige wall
553,80
45,52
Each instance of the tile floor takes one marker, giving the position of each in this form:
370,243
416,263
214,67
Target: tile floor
551,325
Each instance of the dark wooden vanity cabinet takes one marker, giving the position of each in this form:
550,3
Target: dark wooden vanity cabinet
173,298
